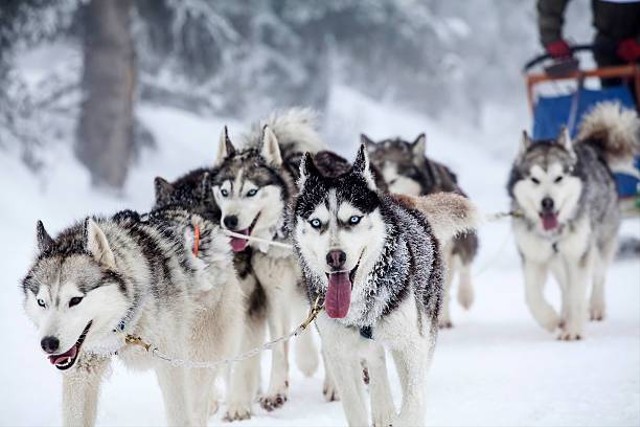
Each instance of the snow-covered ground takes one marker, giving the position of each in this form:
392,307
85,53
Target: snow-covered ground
496,367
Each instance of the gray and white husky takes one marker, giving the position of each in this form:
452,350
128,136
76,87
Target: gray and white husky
253,186
407,170
569,219
167,278
375,260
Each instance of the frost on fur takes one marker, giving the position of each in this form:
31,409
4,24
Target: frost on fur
448,214
296,130
616,130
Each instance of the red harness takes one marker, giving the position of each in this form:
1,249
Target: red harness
196,239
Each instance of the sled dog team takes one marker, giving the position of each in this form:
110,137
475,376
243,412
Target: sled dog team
377,241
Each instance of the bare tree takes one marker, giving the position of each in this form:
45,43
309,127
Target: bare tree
105,130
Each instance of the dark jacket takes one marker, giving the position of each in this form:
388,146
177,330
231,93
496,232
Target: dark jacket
613,21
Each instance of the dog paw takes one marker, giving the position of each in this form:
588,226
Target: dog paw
214,406
383,420
597,312
465,297
569,336
549,319
329,391
237,412
445,324
274,401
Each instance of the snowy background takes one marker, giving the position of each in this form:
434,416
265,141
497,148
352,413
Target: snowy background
496,367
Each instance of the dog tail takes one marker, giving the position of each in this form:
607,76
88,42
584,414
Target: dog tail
449,214
614,130
295,129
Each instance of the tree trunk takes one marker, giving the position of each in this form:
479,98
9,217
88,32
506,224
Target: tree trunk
105,131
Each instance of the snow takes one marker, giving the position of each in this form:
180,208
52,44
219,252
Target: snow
496,367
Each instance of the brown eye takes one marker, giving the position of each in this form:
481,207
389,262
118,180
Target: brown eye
74,301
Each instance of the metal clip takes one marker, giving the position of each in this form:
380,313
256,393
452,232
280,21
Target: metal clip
313,313
130,339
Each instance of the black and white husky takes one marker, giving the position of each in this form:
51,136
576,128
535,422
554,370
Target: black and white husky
253,186
569,219
375,260
167,278
407,170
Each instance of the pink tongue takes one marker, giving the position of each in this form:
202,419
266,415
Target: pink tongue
237,244
549,221
338,296
59,358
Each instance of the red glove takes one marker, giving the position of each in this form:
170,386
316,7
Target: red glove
558,49
629,50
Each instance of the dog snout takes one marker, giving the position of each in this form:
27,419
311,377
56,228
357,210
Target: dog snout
50,344
231,222
336,259
547,204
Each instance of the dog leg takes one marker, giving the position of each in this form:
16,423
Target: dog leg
602,262
465,290
383,411
245,375
535,275
578,273
307,358
175,393
277,319
80,390
558,271
444,320
412,362
329,388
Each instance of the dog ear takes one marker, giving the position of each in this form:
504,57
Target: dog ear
225,147
362,167
270,147
307,169
45,242
564,139
96,244
524,144
163,189
368,142
419,146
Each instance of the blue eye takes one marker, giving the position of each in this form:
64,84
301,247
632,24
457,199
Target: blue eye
224,193
41,303
252,192
355,219
315,223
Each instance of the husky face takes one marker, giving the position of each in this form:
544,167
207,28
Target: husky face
191,191
249,189
339,230
401,163
543,182
74,295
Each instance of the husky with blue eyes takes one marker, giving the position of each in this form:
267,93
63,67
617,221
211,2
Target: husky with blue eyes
566,195
375,261
166,277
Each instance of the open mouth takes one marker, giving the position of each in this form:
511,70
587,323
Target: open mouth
68,359
549,220
239,244
338,297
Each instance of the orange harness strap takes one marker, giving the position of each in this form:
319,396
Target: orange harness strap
196,239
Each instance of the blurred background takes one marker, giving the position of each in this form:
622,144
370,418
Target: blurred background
78,72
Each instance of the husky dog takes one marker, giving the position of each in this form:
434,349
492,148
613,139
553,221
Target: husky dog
375,261
167,279
253,187
407,170
193,193
569,218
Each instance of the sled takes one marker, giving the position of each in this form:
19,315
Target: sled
570,93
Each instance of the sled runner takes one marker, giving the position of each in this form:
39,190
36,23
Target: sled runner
561,93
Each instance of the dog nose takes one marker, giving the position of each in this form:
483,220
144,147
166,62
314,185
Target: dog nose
50,344
336,258
547,204
231,222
